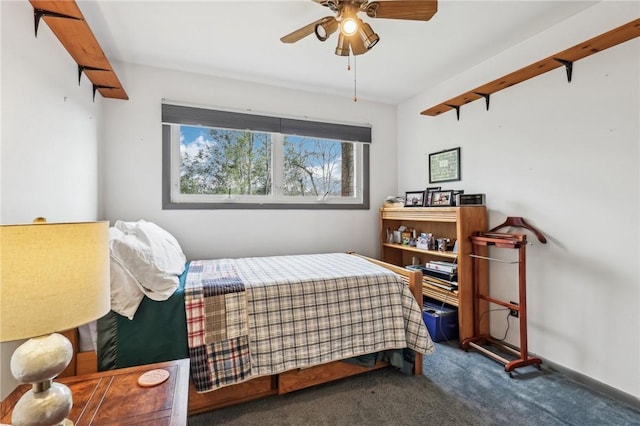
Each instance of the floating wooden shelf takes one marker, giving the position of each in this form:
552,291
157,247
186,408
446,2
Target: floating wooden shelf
565,58
68,24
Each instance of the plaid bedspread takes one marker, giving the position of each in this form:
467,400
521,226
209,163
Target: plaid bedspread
307,310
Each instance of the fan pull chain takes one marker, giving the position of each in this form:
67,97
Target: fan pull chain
355,71
355,96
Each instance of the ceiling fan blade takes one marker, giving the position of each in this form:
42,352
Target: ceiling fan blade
415,10
301,33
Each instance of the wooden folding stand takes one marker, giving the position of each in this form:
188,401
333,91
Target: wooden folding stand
482,342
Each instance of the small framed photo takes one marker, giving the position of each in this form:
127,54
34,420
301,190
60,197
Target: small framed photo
442,198
414,199
444,166
430,190
456,195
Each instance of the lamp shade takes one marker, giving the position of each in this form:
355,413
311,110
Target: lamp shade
324,29
368,37
53,277
342,49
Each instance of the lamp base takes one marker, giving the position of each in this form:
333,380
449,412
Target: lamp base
38,361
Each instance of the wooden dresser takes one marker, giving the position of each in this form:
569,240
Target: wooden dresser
114,397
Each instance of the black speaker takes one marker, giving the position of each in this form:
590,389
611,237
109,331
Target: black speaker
470,200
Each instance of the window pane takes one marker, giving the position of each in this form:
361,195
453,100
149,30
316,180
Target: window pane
222,161
316,167
216,159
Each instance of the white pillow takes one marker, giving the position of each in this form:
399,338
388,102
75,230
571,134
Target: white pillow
152,255
126,295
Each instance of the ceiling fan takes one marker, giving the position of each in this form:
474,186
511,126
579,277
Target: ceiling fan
357,37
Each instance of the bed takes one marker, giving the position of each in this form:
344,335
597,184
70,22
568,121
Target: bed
260,326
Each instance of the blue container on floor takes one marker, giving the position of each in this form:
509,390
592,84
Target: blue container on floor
441,321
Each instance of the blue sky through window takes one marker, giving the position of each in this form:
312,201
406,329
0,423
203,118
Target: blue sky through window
190,134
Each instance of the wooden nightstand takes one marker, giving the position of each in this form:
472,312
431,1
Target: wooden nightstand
114,397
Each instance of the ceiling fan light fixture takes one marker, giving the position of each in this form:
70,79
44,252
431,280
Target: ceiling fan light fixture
349,26
342,49
325,28
368,37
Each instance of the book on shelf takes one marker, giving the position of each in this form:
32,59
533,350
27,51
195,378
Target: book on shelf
442,285
448,267
445,281
440,274
440,280
443,263
451,285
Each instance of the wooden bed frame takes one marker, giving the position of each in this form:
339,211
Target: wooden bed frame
259,387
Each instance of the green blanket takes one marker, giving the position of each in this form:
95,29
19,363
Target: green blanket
157,333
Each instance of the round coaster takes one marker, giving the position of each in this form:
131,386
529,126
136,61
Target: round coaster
153,378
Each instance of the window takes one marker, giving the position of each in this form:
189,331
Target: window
219,159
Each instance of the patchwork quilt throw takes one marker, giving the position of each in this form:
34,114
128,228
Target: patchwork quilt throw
259,316
216,309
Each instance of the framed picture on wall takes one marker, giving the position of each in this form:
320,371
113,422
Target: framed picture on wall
414,199
444,166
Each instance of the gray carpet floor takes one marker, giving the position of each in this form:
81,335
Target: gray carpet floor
532,397
457,388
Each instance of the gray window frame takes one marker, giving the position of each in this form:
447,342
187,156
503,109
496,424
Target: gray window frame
186,115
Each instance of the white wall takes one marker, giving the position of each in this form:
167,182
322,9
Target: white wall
132,159
565,157
48,145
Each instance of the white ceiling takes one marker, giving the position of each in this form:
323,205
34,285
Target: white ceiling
241,39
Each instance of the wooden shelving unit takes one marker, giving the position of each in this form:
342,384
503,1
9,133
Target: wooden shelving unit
66,21
455,223
564,58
